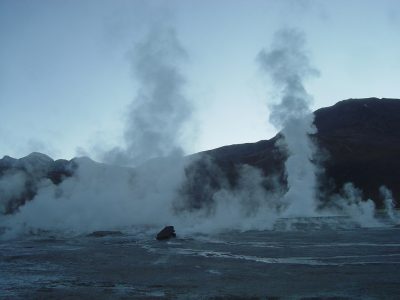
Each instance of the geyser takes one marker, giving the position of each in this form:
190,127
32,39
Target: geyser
99,197
158,113
287,63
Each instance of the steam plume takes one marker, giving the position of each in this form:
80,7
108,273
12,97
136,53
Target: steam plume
352,204
390,204
97,196
288,65
159,110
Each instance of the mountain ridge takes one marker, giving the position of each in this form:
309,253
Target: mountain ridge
358,141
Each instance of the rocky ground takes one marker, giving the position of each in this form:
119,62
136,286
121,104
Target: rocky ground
328,263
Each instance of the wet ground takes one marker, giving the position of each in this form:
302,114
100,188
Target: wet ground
326,263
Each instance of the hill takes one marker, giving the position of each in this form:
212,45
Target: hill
358,141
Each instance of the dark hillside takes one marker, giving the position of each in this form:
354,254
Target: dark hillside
359,142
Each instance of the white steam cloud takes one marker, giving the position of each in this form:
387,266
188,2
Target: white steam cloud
288,65
245,206
352,204
100,196
160,109
389,204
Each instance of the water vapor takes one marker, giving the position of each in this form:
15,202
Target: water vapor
160,109
288,65
351,203
389,204
100,196
246,205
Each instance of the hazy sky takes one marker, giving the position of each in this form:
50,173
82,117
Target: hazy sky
66,82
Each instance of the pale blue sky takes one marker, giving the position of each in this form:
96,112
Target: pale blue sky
65,80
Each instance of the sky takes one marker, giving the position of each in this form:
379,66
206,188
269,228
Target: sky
66,80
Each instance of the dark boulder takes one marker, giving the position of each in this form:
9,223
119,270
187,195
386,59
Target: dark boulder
167,233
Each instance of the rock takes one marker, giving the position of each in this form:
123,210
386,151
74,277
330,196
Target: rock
37,164
8,162
60,170
167,233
